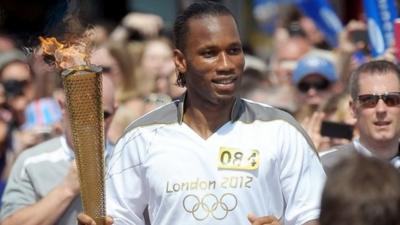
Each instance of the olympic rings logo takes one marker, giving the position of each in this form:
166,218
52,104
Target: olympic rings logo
209,204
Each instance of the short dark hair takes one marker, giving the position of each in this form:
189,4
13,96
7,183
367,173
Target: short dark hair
375,67
361,190
195,10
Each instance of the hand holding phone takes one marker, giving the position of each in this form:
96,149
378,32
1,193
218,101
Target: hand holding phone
337,130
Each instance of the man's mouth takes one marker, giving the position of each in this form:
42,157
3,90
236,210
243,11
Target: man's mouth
227,80
382,123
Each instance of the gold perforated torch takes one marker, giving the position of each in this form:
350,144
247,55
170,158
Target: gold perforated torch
83,88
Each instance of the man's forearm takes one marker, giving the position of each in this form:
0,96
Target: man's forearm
45,212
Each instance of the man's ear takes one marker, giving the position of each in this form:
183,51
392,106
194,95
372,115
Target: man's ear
353,108
180,61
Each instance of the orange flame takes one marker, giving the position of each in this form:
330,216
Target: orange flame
66,55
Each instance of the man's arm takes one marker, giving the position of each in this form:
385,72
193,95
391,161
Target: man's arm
302,179
48,210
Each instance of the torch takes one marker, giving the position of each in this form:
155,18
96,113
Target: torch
83,90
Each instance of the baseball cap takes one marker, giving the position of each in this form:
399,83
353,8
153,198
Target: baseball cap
314,65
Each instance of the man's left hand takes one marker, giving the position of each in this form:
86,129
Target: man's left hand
263,220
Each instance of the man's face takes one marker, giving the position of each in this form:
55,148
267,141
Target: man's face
380,123
16,71
314,89
288,53
212,60
104,59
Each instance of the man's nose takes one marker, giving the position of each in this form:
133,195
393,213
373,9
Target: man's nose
381,106
225,62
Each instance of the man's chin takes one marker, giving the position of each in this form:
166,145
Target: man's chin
384,137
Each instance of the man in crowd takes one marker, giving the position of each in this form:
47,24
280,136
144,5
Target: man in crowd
362,190
315,80
43,188
375,91
211,157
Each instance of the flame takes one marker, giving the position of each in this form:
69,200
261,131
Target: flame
66,55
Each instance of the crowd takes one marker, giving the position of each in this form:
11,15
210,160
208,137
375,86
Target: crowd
196,121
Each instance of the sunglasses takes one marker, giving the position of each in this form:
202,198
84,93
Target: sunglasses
106,115
371,100
319,85
106,69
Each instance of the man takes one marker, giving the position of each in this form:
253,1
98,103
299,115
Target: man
315,79
43,187
212,157
364,191
375,91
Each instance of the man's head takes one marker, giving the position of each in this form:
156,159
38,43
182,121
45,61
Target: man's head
361,191
208,52
314,77
288,52
16,77
375,92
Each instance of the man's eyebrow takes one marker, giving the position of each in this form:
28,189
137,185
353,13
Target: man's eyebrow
215,46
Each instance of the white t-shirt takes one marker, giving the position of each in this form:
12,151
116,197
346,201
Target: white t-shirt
259,162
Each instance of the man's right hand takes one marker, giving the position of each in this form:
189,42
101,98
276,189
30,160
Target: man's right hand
84,219
71,180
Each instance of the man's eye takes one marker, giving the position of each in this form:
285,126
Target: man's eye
235,50
208,54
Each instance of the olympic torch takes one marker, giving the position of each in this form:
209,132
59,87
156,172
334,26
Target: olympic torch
83,90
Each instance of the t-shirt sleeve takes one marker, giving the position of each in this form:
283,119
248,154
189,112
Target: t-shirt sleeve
126,196
302,178
19,192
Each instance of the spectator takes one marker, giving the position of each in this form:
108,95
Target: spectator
138,26
16,77
361,191
156,66
118,64
336,109
375,103
314,78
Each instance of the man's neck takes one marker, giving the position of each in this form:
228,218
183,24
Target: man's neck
205,119
383,150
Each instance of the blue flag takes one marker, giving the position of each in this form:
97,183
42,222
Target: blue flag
380,18
324,18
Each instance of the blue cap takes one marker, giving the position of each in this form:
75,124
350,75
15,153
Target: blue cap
314,65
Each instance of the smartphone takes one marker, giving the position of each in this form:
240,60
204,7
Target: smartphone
337,130
359,36
361,39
